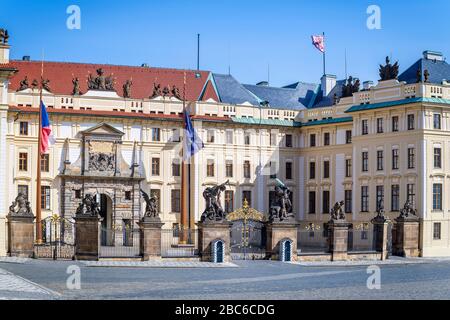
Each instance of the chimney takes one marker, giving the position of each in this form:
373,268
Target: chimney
367,85
328,83
433,55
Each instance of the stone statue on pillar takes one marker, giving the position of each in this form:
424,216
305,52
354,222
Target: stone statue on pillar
151,207
281,207
408,211
21,207
88,206
337,212
213,209
380,213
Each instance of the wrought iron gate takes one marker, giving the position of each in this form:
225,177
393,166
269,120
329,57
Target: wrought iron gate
248,234
58,239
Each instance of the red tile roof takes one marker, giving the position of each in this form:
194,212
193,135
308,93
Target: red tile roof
61,74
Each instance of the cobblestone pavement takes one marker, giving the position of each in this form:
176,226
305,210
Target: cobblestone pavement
250,280
14,260
356,263
15,287
158,264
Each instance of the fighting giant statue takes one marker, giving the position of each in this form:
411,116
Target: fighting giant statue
281,206
213,209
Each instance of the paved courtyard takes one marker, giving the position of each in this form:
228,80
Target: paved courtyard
32,279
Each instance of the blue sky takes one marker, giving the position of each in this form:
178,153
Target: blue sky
248,35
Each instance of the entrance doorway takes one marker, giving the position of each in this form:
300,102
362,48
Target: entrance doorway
107,232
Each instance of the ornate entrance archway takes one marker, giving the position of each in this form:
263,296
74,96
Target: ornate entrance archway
248,234
102,172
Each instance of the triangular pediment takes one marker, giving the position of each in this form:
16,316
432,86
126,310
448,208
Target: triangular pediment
103,129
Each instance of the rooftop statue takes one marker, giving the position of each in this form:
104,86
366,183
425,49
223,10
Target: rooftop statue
127,88
166,91
24,84
101,82
4,36
389,71
176,93
35,84
45,85
350,87
76,87
426,76
156,90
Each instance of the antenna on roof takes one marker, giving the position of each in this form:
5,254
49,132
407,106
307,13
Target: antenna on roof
345,63
229,59
198,51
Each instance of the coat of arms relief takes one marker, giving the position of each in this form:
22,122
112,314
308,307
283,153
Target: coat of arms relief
102,156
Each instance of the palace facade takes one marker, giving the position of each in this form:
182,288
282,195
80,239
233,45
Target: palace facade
119,129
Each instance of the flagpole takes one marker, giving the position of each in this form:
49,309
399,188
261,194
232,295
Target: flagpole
324,69
38,166
184,217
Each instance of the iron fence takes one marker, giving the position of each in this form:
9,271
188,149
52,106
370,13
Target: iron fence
312,239
177,243
119,243
362,239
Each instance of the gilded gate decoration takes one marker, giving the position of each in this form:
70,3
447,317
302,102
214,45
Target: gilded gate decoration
248,235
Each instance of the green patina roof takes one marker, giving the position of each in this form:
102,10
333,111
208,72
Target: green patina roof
386,104
327,121
289,123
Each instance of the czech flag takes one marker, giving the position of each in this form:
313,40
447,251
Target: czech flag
319,42
46,131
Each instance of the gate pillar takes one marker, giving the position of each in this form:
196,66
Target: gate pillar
20,236
338,239
208,234
407,236
277,232
150,238
87,237
381,236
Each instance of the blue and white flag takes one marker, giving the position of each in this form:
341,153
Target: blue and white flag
191,141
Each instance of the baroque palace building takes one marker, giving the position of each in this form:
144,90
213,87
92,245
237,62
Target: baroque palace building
327,142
